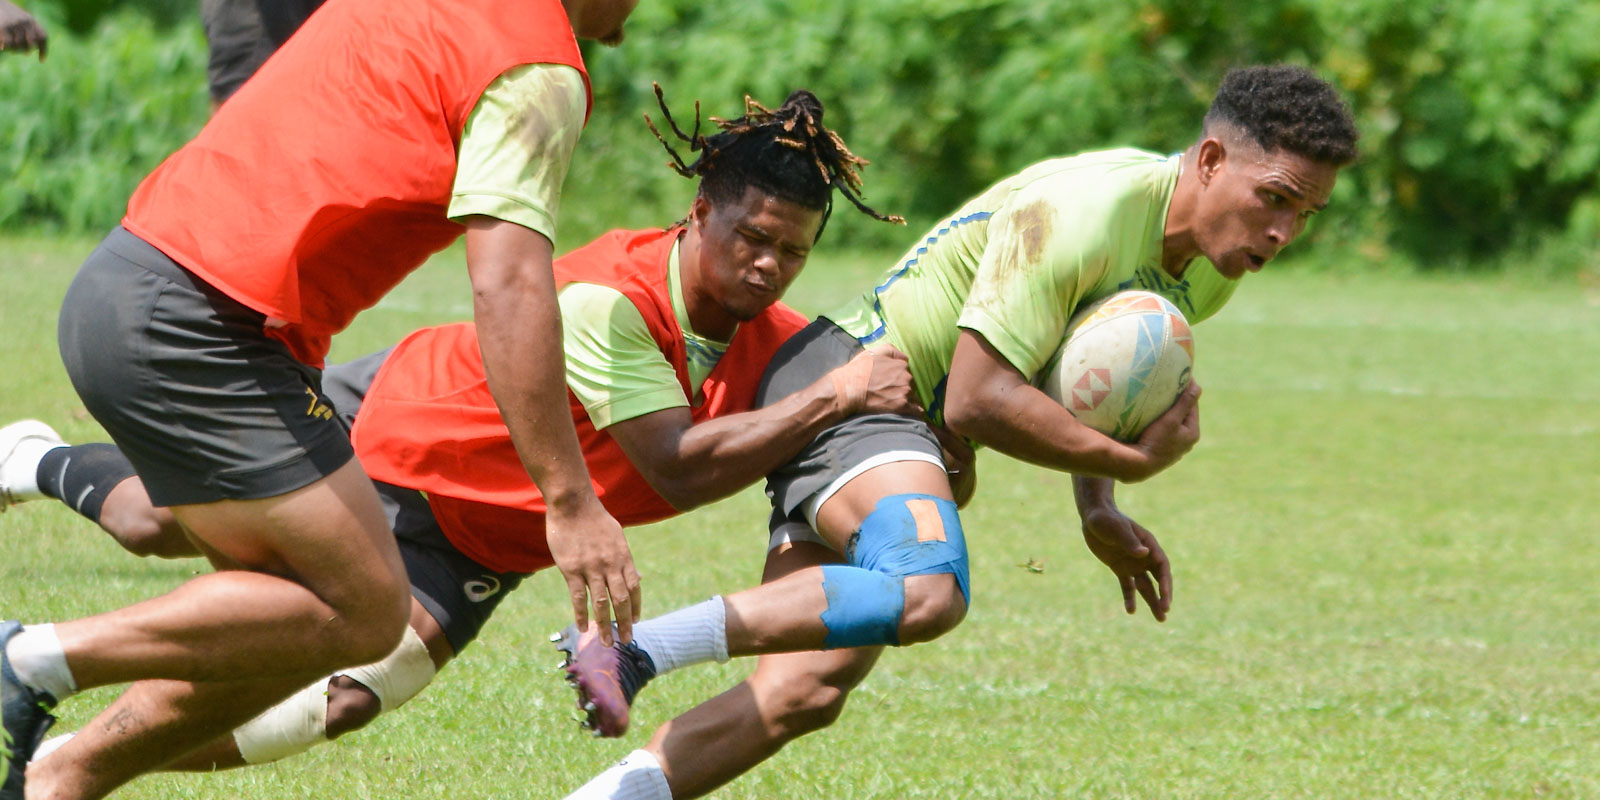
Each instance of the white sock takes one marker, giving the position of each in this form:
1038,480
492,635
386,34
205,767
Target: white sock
20,472
692,635
40,663
637,777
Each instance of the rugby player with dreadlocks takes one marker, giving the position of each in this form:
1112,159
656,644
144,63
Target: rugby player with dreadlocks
866,547
667,333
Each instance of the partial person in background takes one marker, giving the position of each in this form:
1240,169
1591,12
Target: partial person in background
195,333
241,34
19,31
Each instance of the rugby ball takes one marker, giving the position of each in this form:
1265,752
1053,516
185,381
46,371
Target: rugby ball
1124,360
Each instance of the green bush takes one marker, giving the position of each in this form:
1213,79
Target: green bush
78,132
1481,118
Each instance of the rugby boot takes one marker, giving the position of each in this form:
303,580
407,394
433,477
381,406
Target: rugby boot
26,714
606,678
20,444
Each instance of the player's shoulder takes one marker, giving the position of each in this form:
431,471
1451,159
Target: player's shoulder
1096,176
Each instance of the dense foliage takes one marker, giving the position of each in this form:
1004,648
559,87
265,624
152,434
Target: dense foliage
1481,118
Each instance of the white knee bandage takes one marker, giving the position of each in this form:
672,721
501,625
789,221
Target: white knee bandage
399,677
287,728
301,722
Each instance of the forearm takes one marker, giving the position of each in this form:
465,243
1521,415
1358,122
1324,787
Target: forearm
1027,425
1092,493
519,333
988,401
720,456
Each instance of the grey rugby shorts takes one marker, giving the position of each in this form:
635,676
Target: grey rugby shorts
815,351
188,384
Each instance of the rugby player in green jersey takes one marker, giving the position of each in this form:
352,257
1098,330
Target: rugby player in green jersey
866,547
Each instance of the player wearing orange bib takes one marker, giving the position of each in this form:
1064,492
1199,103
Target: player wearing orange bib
667,333
196,331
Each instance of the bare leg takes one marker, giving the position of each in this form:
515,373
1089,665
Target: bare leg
787,697
250,636
141,528
351,706
786,614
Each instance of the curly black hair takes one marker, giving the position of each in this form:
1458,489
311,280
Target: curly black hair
1287,107
786,153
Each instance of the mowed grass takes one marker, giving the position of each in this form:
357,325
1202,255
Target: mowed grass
1384,549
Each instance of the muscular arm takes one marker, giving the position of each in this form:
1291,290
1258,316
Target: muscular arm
988,400
519,332
691,465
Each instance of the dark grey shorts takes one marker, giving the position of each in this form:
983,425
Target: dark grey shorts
458,592
203,403
808,355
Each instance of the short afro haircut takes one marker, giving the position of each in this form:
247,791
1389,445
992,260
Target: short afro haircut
1287,107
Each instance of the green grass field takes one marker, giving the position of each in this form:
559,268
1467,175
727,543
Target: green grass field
1384,549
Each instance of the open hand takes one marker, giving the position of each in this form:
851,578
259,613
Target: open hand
592,553
1134,556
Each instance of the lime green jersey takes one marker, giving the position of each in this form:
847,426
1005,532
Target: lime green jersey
615,367
1015,262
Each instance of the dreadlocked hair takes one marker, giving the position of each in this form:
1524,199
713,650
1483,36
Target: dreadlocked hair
1286,107
786,153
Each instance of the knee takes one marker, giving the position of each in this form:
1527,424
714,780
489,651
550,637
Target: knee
375,627
367,643
802,706
144,536
934,606
351,706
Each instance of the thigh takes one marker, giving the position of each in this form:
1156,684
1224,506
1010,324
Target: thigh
331,537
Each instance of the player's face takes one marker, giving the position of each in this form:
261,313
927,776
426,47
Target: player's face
1254,203
599,19
751,250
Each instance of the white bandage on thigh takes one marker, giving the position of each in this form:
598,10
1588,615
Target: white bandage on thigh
287,728
300,722
399,677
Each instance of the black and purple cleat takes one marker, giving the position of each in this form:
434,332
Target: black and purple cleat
606,678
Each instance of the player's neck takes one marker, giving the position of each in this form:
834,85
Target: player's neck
706,316
1178,246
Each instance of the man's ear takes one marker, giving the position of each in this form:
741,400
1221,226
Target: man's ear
1208,162
699,210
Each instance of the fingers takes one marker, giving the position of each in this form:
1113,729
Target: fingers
602,609
579,595
622,604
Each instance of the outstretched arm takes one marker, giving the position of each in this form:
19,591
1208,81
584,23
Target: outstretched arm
519,331
20,31
988,401
690,465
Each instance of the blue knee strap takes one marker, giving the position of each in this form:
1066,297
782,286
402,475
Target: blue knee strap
906,534
913,534
863,607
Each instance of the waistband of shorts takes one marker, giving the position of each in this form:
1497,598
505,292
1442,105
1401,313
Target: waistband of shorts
148,257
